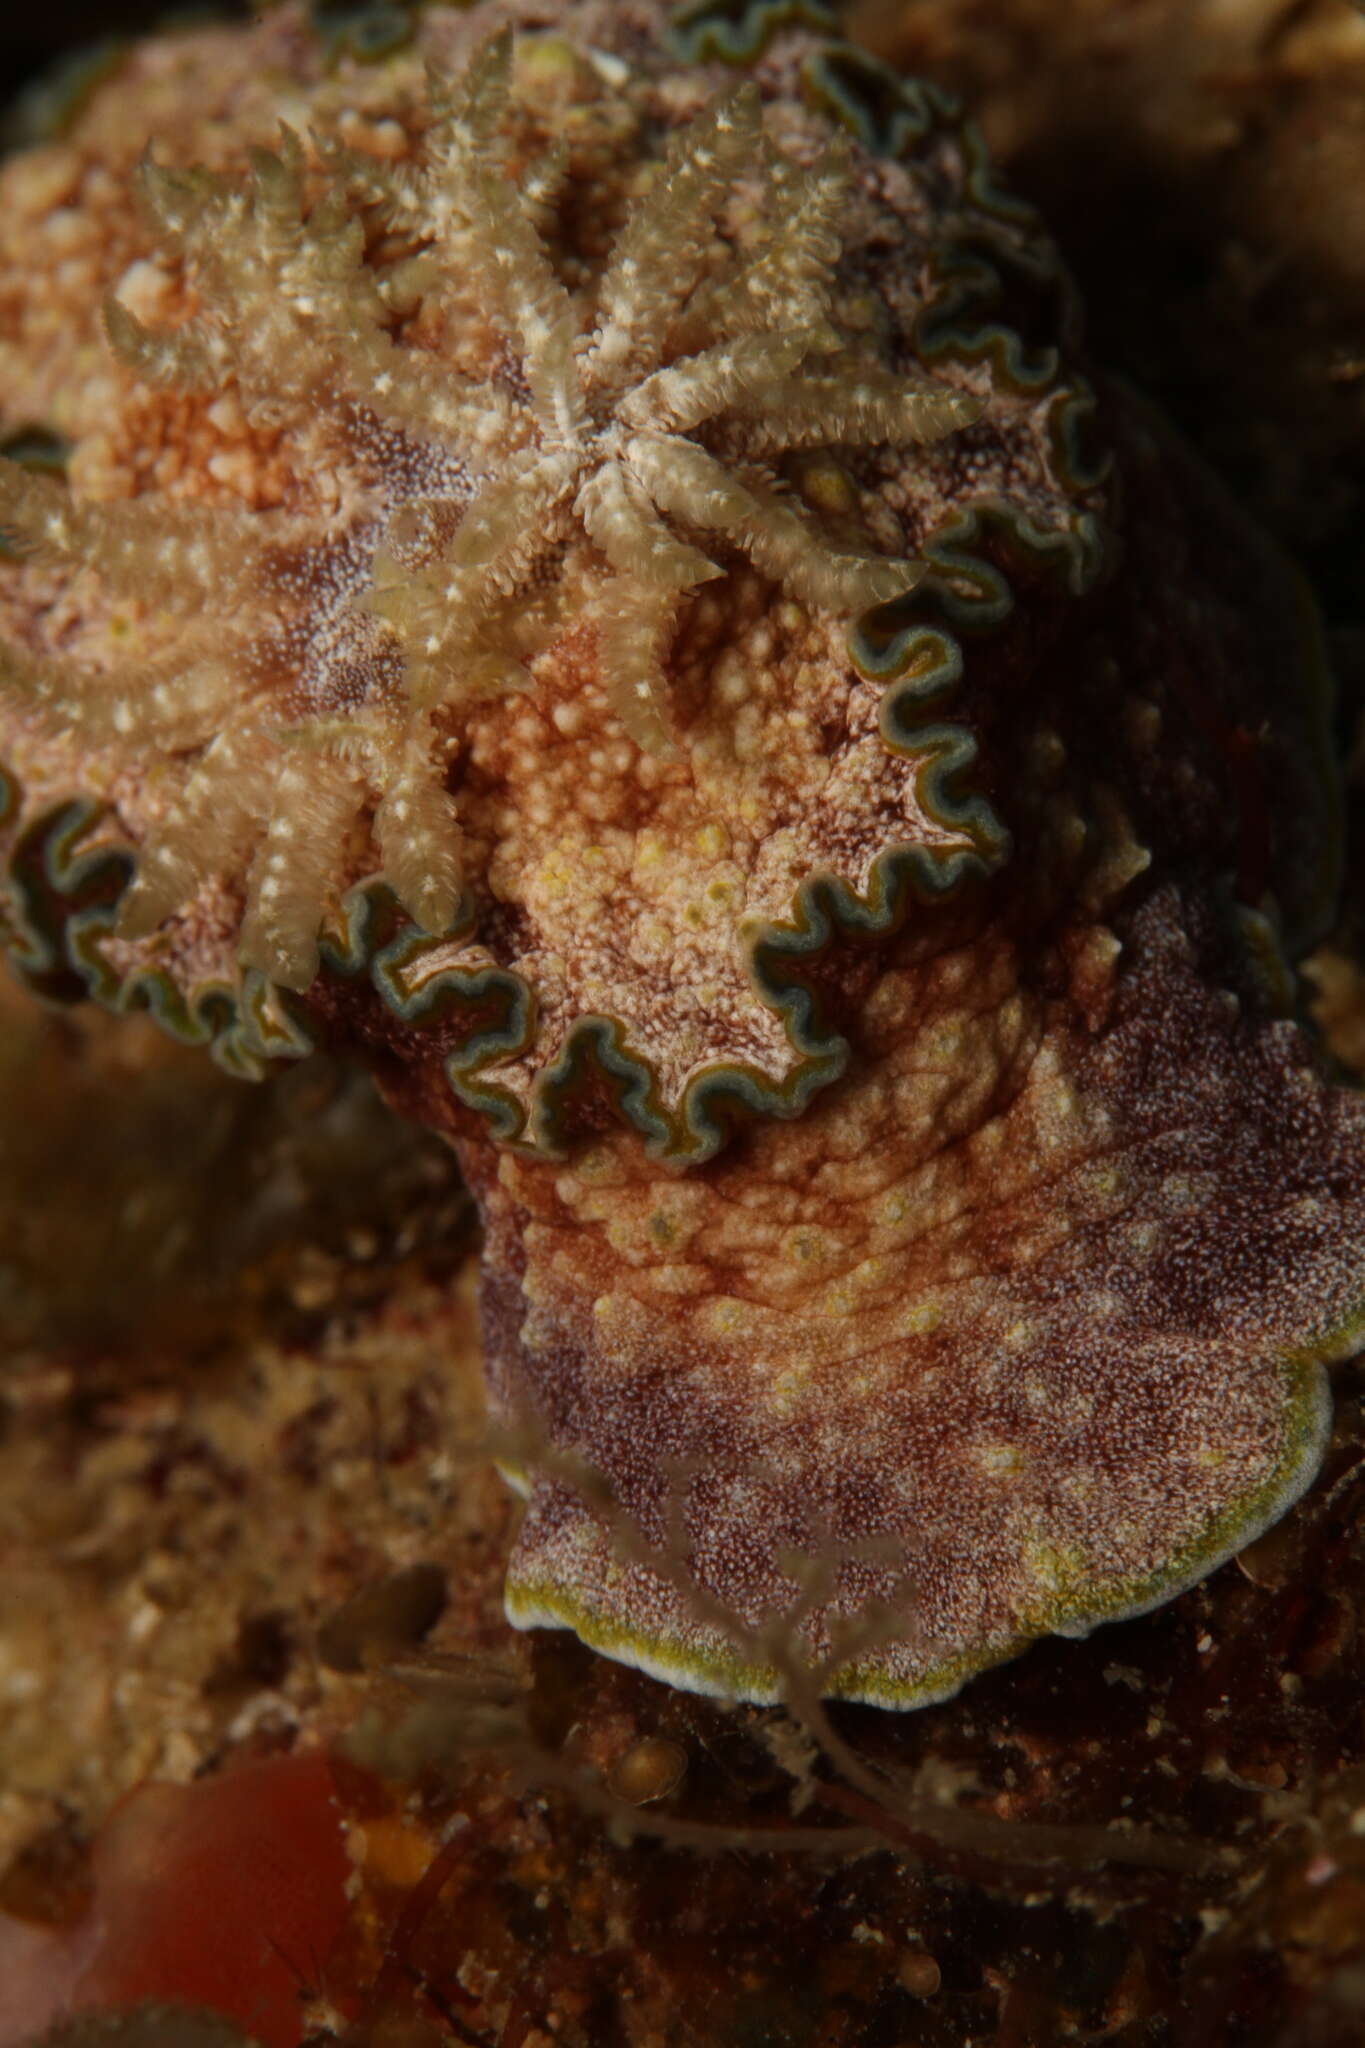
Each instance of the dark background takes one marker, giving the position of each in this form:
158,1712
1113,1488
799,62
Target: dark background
37,33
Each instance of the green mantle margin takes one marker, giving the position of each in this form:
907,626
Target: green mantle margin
707,1663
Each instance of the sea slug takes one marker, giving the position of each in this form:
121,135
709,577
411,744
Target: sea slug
595,576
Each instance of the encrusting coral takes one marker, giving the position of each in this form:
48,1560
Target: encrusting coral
605,590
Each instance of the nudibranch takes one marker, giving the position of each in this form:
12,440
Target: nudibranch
580,562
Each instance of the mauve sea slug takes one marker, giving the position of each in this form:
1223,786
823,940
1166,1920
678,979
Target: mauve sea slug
592,576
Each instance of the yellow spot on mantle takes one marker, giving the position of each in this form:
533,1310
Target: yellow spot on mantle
726,1316
786,1391
826,487
920,1317
1057,1567
807,1245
